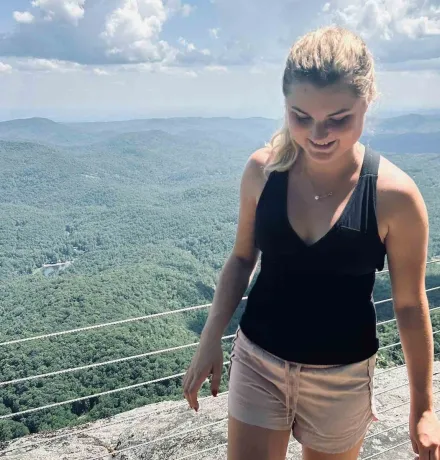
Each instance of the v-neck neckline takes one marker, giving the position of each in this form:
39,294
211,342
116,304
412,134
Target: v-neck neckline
336,225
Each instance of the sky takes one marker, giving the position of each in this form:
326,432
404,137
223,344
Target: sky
119,59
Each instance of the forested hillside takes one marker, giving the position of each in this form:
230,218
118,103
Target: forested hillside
145,211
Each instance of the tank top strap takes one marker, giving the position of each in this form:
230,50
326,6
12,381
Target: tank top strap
366,200
273,190
370,165
276,185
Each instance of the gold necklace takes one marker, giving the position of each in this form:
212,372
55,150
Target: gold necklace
320,197
315,196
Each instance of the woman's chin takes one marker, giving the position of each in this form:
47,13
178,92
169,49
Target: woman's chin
321,153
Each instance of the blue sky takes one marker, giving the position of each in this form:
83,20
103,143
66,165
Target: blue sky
118,59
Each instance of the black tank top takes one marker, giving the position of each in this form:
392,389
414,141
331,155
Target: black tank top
313,304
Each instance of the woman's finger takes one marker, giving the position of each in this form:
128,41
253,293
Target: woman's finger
186,387
192,395
193,390
216,378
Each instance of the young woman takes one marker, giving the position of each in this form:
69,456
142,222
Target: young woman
323,210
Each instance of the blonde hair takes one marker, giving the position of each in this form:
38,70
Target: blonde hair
322,57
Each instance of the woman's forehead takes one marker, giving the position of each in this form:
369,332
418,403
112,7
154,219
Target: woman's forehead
327,100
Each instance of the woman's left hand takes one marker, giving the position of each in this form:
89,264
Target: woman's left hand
425,435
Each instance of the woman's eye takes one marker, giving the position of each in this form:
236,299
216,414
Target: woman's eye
302,119
331,121
339,121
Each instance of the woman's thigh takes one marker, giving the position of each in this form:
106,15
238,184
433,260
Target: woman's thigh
247,442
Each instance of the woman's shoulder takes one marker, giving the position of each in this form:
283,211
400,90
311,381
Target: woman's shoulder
397,192
254,175
256,164
393,182
259,159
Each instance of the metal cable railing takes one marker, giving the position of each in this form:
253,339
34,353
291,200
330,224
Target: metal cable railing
157,352
387,450
130,387
396,368
103,393
405,403
184,403
219,446
137,418
151,316
155,315
398,386
113,361
224,420
377,454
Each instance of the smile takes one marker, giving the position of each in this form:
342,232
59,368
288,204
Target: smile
322,144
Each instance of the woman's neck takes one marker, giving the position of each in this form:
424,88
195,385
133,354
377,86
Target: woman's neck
346,164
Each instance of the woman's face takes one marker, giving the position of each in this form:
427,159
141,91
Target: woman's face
325,122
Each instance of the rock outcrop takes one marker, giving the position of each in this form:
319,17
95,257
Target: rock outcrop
170,431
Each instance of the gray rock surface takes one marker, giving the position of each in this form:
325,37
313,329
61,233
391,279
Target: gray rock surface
170,431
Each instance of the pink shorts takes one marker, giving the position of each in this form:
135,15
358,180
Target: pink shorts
328,408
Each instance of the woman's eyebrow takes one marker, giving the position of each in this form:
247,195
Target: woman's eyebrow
330,115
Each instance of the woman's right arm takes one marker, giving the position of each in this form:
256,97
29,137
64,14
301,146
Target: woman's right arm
234,279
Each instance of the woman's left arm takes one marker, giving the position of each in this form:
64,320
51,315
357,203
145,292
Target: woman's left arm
407,245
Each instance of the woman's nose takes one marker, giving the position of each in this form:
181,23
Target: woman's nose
319,132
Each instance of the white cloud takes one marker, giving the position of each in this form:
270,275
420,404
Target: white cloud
191,55
100,72
217,69
396,30
23,17
46,65
132,31
188,46
144,67
176,6
5,68
115,32
125,39
213,33
281,22
387,19
66,10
